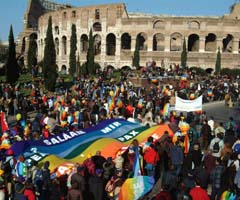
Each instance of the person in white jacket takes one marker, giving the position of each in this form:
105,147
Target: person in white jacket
216,152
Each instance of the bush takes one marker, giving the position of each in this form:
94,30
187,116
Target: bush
199,71
230,72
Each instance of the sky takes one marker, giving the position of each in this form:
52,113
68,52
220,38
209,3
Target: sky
12,11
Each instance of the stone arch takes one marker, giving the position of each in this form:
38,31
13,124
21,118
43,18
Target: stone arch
56,30
23,48
97,26
193,42
57,45
64,15
126,41
158,24
84,43
228,43
33,36
126,68
64,69
176,42
97,44
110,67
142,40
211,42
64,45
158,42
194,25
111,44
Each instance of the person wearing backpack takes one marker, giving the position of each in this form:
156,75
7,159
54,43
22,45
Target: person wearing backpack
216,146
37,178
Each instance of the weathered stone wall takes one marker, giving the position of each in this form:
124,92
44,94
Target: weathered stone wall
204,35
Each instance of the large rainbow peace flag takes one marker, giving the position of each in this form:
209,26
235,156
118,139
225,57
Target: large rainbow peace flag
109,136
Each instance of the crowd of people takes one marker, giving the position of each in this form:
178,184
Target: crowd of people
208,169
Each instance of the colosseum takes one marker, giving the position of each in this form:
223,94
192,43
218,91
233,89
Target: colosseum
116,31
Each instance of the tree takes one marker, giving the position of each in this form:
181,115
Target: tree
12,67
73,49
32,52
136,55
90,66
218,62
184,54
49,59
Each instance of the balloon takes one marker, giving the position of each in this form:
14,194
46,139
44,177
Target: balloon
18,116
23,123
111,93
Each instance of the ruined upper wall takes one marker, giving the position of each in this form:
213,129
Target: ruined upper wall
234,12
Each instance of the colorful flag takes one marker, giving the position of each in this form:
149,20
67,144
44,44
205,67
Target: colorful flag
116,90
119,103
166,109
134,188
136,164
110,104
94,94
122,88
140,103
4,123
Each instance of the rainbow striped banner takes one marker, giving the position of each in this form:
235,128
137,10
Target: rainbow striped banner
109,136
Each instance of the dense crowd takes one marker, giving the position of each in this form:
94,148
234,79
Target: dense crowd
208,169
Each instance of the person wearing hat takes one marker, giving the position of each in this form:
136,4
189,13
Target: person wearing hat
96,185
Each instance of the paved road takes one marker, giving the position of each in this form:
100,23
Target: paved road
220,112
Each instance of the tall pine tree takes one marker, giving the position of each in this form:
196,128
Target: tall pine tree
12,66
49,60
73,49
184,54
90,64
218,62
32,53
136,55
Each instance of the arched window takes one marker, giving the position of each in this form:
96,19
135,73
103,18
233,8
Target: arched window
158,42
97,27
111,44
176,42
57,45
194,25
158,24
97,44
64,45
56,30
211,43
193,42
141,40
84,43
228,43
126,41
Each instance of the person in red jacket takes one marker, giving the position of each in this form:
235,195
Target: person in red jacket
198,193
29,191
151,157
164,194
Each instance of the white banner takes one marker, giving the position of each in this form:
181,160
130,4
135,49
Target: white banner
188,105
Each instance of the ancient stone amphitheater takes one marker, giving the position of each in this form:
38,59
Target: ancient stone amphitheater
116,31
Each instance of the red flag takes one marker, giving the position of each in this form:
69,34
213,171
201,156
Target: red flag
4,122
